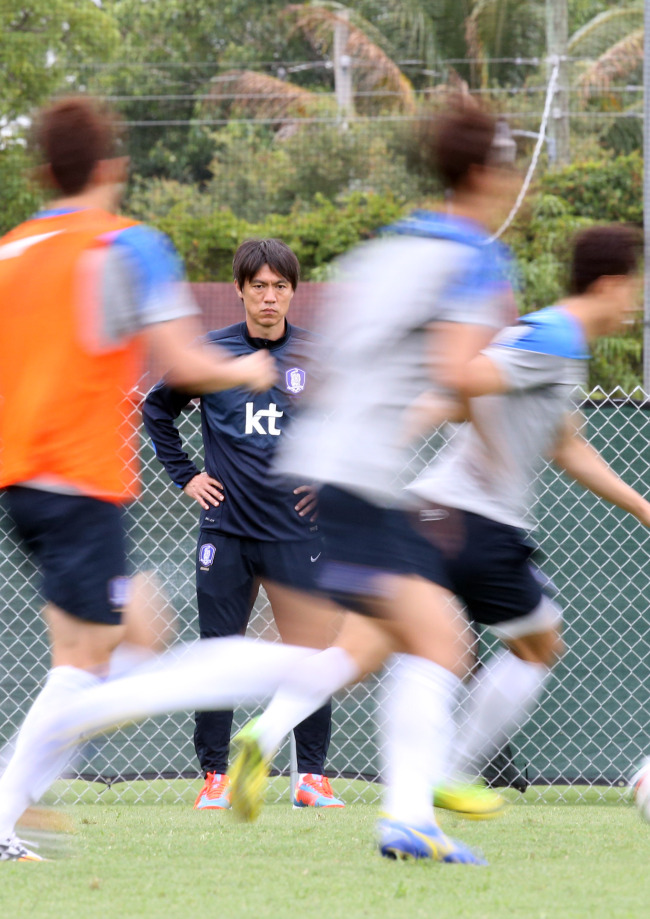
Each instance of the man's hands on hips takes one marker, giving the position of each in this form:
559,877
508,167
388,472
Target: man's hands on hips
205,490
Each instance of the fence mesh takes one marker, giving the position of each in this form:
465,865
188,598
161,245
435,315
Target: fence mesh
589,730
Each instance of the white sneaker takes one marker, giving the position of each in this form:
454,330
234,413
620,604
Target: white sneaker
13,850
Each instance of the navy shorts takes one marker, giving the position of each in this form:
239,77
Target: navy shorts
229,570
79,546
485,563
363,540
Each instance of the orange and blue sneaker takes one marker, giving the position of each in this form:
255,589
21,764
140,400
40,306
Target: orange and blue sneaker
215,794
313,790
401,840
13,849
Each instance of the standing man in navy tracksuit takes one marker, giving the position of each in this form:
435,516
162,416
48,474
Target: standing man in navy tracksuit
254,529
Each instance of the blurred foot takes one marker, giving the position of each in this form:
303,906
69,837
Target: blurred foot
399,840
248,774
640,785
13,849
473,801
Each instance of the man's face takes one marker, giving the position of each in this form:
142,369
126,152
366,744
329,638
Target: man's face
266,298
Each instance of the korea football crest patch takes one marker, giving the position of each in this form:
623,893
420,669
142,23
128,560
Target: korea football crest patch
295,379
207,553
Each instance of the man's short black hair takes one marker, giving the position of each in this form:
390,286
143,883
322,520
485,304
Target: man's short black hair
254,253
613,250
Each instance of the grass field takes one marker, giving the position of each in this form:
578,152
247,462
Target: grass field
166,861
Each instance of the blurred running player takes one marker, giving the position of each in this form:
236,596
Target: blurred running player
416,306
478,497
84,295
481,490
432,282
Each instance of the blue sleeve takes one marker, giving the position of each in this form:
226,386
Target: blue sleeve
475,291
161,407
550,331
546,348
156,271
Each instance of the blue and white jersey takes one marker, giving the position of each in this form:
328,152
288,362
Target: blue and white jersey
492,464
241,431
142,282
378,320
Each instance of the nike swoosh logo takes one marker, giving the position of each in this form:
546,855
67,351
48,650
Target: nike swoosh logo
18,246
315,558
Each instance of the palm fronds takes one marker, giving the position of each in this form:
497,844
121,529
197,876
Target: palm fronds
615,64
260,95
373,70
604,30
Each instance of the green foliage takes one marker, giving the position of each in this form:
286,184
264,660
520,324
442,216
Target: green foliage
20,194
170,52
541,243
602,191
567,200
271,176
207,240
617,362
38,38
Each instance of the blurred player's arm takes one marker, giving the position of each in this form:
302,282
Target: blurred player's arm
455,350
159,412
578,459
478,301
191,365
144,290
453,346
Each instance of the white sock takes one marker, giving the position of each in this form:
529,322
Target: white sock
309,685
500,699
211,674
417,728
29,769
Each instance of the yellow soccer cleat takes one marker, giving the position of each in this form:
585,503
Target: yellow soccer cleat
471,801
248,774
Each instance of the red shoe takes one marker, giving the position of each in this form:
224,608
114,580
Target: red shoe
315,791
215,794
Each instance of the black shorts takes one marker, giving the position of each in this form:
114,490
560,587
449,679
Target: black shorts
79,546
485,563
363,541
229,570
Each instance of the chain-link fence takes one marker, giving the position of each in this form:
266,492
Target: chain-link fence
592,725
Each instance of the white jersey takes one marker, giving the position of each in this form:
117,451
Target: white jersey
493,463
378,323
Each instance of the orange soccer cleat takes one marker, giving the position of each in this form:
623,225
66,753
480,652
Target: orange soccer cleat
215,794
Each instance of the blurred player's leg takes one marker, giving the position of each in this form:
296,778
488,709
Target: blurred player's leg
299,622
147,624
210,674
506,690
215,673
360,649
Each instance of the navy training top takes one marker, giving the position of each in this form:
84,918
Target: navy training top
240,437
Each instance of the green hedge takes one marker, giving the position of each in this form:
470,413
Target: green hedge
208,242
